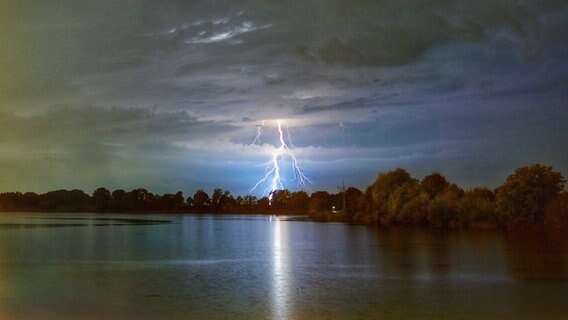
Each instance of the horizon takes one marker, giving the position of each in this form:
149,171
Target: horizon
169,96
335,191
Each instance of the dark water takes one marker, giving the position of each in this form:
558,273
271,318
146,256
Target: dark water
87,266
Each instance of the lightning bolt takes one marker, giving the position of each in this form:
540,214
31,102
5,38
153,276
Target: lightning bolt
273,166
258,134
289,136
342,131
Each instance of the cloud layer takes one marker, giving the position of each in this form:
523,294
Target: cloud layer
168,94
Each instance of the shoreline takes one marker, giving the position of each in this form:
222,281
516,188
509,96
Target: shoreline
307,217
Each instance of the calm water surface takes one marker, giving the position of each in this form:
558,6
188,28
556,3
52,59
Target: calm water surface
89,266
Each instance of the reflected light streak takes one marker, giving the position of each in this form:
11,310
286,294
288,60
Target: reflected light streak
281,281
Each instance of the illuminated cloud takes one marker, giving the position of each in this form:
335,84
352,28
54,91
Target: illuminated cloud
178,90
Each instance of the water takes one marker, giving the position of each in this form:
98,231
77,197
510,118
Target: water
88,266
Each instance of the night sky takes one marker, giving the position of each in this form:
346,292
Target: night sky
168,95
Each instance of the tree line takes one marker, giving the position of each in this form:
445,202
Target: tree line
531,197
141,200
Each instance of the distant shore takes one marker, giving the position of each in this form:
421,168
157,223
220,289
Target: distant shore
532,198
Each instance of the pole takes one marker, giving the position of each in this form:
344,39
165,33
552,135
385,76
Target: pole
344,194
342,188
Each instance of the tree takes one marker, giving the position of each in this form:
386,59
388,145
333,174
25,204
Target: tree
442,211
73,200
201,199
117,199
433,184
384,186
263,204
168,202
365,202
177,201
219,199
556,214
280,199
30,199
398,201
299,200
351,200
136,199
216,198
249,201
320,202
522,199
414,211
229,203
10,200
102,198
477,206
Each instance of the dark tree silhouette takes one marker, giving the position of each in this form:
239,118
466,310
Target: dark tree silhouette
280,199
102,199
556,213
220,199
298,200
201,200
351,200
117,199
64,200
531,197
320,202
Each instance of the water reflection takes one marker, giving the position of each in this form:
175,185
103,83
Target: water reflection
210,267
537,256
33,222
281,269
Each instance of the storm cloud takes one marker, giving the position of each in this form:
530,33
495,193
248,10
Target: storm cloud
168,95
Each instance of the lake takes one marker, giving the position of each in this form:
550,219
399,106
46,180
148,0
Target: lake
118,266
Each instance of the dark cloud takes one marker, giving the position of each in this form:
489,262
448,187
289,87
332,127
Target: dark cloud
365,85
66,124
359,103
389,33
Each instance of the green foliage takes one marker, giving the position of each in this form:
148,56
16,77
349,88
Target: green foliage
443,209
521,200
414,211
400,198
408,205
386,184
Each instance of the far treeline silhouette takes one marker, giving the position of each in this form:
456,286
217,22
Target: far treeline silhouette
531,197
